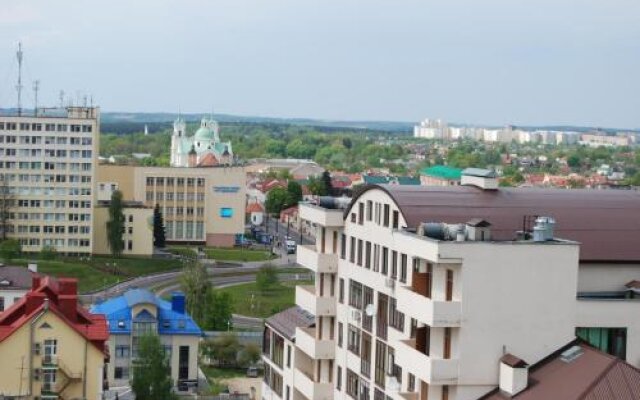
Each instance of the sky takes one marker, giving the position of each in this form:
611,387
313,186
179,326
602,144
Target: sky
520,62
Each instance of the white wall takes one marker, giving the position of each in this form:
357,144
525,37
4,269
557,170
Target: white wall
606,277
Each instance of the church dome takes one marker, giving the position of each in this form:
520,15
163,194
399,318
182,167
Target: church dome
207,130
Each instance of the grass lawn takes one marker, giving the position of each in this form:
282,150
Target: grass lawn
248,300
226,254
216,375
95,274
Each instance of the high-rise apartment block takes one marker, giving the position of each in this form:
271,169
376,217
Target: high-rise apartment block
452,292
47,165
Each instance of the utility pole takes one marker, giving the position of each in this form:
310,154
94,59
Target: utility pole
19,85
36,88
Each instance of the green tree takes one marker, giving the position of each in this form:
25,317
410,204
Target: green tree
7,203
48,253
267,277
151,371
10,249
326,180
294,194
574,160
634,180
195,285
223,349
218,316
316,186
249,355
276,200
115,225
159,238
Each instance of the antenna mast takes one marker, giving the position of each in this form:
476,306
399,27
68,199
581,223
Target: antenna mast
19,85
36,88
61,97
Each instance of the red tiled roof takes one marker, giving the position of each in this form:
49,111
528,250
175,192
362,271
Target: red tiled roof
593,375
254,207
605,222
60,297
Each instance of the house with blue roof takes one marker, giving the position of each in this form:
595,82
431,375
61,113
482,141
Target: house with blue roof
139,312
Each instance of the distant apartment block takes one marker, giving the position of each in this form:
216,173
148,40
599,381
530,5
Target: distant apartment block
48,167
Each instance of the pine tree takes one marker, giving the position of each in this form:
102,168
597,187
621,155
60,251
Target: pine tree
151,371
115,225
159,238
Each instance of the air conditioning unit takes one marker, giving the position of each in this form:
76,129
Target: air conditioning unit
390,283
356,315
36,349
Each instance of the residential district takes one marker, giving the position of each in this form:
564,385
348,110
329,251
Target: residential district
445,286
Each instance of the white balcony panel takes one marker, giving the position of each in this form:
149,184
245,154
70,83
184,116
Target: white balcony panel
314,348
434,371
434,313
308,257
316,305
310,389
321,216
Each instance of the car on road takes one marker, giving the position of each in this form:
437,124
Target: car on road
252,372
291,246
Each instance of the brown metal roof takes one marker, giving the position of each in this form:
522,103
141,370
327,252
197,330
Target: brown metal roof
606,222
18,277
593,375
513,361
286,322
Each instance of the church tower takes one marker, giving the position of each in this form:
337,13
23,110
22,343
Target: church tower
179,132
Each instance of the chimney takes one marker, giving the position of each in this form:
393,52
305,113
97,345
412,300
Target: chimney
68,305
33,267
178,302
484,179
67,286
34,300
514,375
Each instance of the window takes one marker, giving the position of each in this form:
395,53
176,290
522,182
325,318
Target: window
341,291
360,213
396,219
352,250
340,327
376,257
121,373
385,261
609,340
446,353
403,268
339,378
355,294
449,287
343,246
288,356
385,220
352,384
365,355
287,392
411,384
183,362
369,210
367,255
360,252
226,212
353,340
382,314
396,318
394,264
381,361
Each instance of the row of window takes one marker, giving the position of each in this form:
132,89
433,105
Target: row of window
48,178
31,242
375,257
52,203
184,230
169,211
54,229
38,165
170,181
379,213
46,152
37,127
170,196
23,216
48,191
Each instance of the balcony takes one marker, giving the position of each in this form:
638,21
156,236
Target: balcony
311,389
434,371
318,306
435,313
322,216
314,348
308,257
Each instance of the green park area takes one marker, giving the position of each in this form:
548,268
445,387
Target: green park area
248,299
97,272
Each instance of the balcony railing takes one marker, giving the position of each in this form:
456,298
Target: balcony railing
433,370
435,313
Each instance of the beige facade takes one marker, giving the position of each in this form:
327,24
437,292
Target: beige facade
49,164
202,205
138,230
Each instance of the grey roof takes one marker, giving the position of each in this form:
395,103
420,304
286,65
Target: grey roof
480,172
286,322
17,278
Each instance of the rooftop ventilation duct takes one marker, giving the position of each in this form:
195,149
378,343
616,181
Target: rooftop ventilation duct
484,179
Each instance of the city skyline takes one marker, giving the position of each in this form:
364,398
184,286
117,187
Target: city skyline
491,64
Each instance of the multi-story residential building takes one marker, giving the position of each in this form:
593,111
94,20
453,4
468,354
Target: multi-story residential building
51,347
138,228
47,163
431,129
279,352
15,282
427,310
199,205
139,312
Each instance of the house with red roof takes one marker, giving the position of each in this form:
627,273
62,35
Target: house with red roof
50,346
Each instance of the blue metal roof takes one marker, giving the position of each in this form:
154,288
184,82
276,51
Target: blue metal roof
118,313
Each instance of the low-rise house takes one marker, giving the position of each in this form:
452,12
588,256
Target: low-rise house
440,175
50,346
139,312
15,282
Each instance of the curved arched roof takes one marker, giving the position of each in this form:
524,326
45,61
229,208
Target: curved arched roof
606,222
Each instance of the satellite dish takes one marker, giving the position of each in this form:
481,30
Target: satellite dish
370,310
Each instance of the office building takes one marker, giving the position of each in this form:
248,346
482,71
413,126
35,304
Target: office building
138,228
139,312
421,291
51,347
199,205
47,165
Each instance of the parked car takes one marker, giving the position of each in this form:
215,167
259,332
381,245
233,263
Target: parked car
252,372
291,246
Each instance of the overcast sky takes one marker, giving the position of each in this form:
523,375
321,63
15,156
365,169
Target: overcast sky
467,61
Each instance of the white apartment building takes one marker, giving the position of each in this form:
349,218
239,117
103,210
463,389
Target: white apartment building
431,129
48,162
417,315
